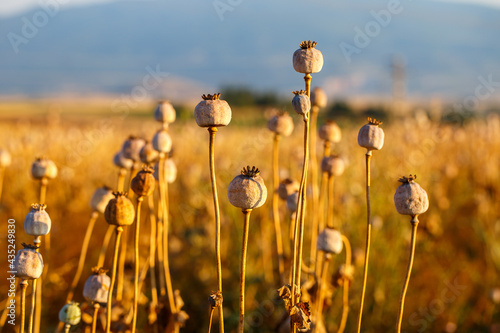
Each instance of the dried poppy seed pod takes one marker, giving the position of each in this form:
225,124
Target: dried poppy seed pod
371,136
212,111
318,97
120,210
330,132
148,154
330,241
96,287
37,222
100,199
122,162
28,263
162,141
301,103
333,165
247,190
292,201
70,314
170,171
287,187
143,184
132,147
5,158
43,168
307,59
410,198
281,124
165,112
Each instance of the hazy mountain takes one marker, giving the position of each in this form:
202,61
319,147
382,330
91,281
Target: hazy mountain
111,48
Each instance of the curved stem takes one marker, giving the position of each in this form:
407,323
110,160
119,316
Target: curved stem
276,213
212,131
303,202
24,285
241,324
119,230
164,205
152,251
83,255
136,261
35,290
321,220
121,179
66,328
299,220
94,317
331,181
122,258
345,297
320,296
315,212
159,231
105,244
210,319
414,226
33,305
43,189
368,238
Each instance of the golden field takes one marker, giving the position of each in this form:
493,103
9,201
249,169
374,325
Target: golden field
457,262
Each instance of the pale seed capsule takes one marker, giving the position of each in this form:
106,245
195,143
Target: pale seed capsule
43,168
330,132
5,158
165,112
132,147
292,201
318,97
162,141
301,103
333,165
212,111
287,187
247,191
307,59
37,222
148,154
170,171
281,124
70,314
330,241
143,184
100,199
122,162
410,198
371,136
28,263
96,287
120,210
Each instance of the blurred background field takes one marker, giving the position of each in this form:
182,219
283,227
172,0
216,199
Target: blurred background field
78,77
455,276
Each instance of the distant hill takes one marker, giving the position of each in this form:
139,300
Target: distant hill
111,48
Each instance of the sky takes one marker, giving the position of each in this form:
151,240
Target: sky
12,7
